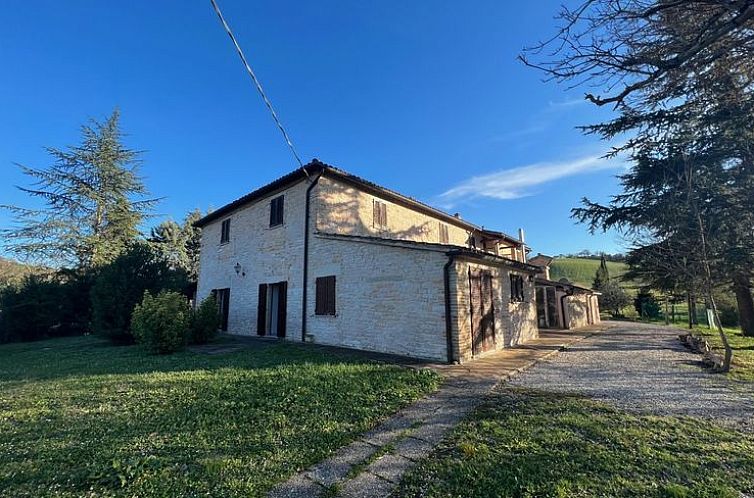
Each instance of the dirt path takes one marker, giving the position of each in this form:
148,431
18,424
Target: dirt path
642,367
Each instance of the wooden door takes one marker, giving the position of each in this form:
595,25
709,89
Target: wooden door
482,311
272,310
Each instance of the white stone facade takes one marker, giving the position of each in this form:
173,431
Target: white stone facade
389,280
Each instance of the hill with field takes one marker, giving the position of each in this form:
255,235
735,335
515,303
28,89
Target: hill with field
12,272
581,271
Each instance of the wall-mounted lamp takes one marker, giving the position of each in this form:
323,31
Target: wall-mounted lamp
239,270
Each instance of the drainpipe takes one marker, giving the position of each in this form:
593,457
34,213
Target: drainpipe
448,324
306,255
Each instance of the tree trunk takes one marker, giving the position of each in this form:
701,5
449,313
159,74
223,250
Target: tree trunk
716,317
688,305
742,288
667,316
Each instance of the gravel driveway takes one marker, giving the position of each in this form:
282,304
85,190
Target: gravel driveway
641,367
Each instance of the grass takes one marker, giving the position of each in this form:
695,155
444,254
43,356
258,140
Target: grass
742,367
81,418
581,270
523,443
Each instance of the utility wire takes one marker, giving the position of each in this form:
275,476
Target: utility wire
259,86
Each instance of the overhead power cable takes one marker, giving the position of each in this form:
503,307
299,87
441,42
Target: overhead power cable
259,87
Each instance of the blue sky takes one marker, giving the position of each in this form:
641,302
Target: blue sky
424,97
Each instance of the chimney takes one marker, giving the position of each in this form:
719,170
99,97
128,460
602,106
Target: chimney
457,215
521,235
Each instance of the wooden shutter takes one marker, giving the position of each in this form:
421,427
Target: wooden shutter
282,308
273,212
277,205
376,213
325,296
383,214
319,300
225,307
330,295
262,310
444,239
225,231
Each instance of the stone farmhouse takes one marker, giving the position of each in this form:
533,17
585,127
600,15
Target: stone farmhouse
323,256
562,304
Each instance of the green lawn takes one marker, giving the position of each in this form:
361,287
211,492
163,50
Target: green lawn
523,443
743,351
81,418
581,270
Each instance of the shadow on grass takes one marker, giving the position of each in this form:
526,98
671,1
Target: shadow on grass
121,422
537,443
91,355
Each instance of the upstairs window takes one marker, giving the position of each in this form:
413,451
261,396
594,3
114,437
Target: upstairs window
325,301
517,288
444,239
276,211
225,231
379,215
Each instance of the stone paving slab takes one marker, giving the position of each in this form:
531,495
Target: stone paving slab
413,432
335,468
390,467
413,449
366,485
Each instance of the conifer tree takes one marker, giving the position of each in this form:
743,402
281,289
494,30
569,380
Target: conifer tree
93,201
602,275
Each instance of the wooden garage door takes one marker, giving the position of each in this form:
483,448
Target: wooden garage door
482,311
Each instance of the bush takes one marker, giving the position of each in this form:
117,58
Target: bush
646,305
205,321
161,323
120,285
613,299
40,306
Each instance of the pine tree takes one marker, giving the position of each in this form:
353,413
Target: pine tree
602,275
179,244
93,202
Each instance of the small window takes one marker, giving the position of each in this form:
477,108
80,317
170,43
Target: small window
444,239
325,302
517,288
276,211
225,232
380,214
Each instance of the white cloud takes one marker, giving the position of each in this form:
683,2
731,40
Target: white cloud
565,104
518,182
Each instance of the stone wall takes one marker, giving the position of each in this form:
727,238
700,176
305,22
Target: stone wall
582,309
388,299
515,323
344,209
265,255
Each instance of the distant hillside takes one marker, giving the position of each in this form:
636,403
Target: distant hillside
581,271
12,272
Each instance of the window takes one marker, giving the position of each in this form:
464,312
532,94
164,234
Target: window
444,239
380,214
276,211
517,288
325,302
225,232
222,296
